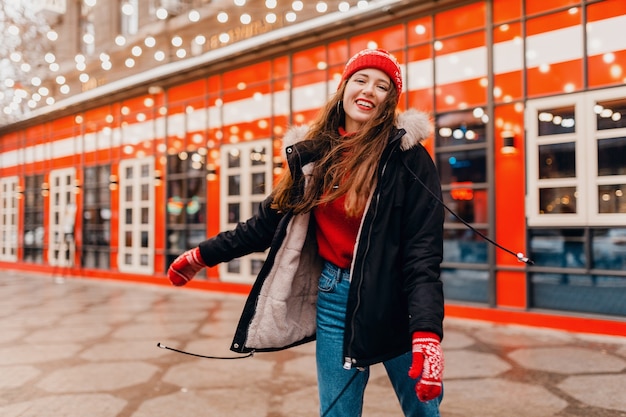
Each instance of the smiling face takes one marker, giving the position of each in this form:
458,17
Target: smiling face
365,90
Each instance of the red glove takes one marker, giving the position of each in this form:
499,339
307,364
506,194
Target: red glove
427,361
185,267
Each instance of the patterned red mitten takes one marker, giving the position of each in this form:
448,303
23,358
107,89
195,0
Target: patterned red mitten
427,362
185,267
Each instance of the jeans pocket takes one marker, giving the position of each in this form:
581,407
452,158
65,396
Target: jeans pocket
328,281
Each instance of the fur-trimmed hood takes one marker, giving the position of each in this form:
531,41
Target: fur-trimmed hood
415,123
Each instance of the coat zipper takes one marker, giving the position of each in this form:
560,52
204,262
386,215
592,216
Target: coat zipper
348,361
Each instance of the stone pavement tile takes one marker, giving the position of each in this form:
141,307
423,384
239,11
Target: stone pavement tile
567,360
467,364
153,331
247,401
70,334
76,405
456,340
518,337
18,375
122,351
606,391
36,354
97,377
494,397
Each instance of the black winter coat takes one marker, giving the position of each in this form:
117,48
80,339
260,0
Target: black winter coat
395,287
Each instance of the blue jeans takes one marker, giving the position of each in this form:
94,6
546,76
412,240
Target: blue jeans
340,390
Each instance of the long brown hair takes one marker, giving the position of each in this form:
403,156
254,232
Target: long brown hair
356,154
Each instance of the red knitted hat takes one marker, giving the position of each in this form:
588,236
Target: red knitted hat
375,58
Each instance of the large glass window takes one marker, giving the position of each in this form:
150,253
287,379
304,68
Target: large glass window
186,201
576,183
246,179
576,152
461,157
136,233
34,190
62,215
8,218
96,217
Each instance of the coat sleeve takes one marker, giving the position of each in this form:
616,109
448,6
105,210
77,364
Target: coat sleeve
423,244
253,235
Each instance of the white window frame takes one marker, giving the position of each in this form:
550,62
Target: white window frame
245,199
9,213
136,252
586,181
62,215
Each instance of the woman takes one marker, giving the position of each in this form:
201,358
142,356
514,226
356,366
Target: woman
355,241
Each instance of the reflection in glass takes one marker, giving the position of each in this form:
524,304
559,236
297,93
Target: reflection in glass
558,247
579,292
258,156
557,200
258,183
465,284
611,198
609,249
468,203
233,212
556,121
462,166
610,114
234,158
557,160
463,245
461,128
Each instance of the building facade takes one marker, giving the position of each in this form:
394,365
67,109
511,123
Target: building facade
527,97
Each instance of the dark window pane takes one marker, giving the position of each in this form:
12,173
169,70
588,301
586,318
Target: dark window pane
610,114
258,183
558,248
234,158
258,156
609,249
462,166
463,245
234,185
557,160
580,293
611,198
233,213
557,200
465,284
461,128
612,156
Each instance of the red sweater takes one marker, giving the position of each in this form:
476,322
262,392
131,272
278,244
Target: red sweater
336,232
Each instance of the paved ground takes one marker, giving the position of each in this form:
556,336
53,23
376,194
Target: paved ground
88,348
